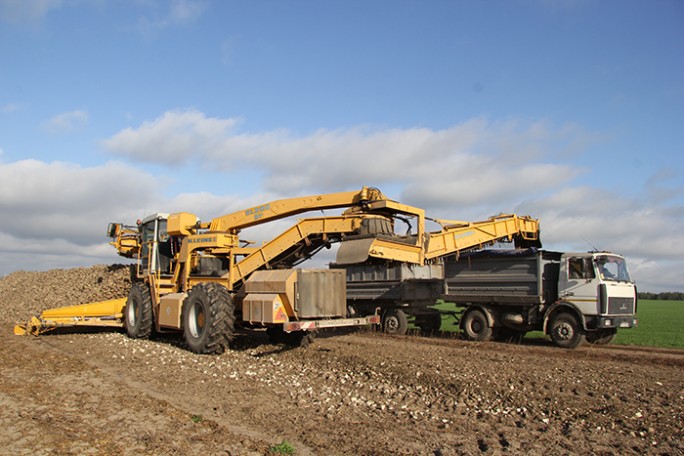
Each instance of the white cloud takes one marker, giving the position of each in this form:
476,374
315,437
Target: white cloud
648,234
67,122
467,164
172,138
58,200
55,214
583,216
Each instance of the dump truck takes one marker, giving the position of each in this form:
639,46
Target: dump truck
504,293
571,296
408,290
204,278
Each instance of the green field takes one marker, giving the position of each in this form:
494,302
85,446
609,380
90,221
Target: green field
661,324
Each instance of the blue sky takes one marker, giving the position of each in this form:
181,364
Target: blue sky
567,110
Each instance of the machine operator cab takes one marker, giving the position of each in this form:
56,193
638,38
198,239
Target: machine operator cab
156,249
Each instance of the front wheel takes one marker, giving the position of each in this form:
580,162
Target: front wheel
476,327
208,319
566,331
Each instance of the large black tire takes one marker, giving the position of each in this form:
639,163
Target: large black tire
566,331
601,337
395,321
476,327
138,312
430,322
208,319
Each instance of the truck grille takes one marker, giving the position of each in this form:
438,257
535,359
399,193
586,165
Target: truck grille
620,306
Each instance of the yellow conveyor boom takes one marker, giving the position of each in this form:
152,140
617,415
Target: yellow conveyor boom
102,313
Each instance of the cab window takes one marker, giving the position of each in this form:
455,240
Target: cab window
580,268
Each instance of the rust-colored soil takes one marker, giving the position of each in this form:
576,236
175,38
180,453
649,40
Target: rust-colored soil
101,393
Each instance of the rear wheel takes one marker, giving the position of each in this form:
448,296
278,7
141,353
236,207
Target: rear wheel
566,331
395,321
208,319
138,312
476,327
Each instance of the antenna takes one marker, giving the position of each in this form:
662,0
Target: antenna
593,247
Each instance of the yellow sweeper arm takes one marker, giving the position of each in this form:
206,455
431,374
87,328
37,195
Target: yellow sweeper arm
102,313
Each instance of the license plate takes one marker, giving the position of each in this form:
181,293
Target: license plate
624,325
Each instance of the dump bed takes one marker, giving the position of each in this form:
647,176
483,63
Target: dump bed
527,276
393,282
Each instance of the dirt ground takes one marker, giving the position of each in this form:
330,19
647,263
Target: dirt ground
100,393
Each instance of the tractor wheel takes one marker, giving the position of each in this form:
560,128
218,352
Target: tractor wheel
395,321
208,319
566,331
601,337
475,326
138,312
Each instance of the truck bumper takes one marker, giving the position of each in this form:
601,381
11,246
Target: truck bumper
616,322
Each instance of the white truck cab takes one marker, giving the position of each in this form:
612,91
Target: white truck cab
599,287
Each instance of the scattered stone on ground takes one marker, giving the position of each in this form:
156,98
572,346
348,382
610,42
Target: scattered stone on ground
351,392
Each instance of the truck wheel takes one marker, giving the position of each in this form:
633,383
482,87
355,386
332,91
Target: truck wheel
208,319
601,337
138,312
430,322
395,321
475,326
566,332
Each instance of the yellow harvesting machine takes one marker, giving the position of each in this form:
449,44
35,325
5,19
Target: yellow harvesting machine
202,278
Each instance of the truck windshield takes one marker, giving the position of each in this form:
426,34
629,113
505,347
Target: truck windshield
612,268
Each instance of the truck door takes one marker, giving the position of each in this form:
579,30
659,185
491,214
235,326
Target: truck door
577,283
